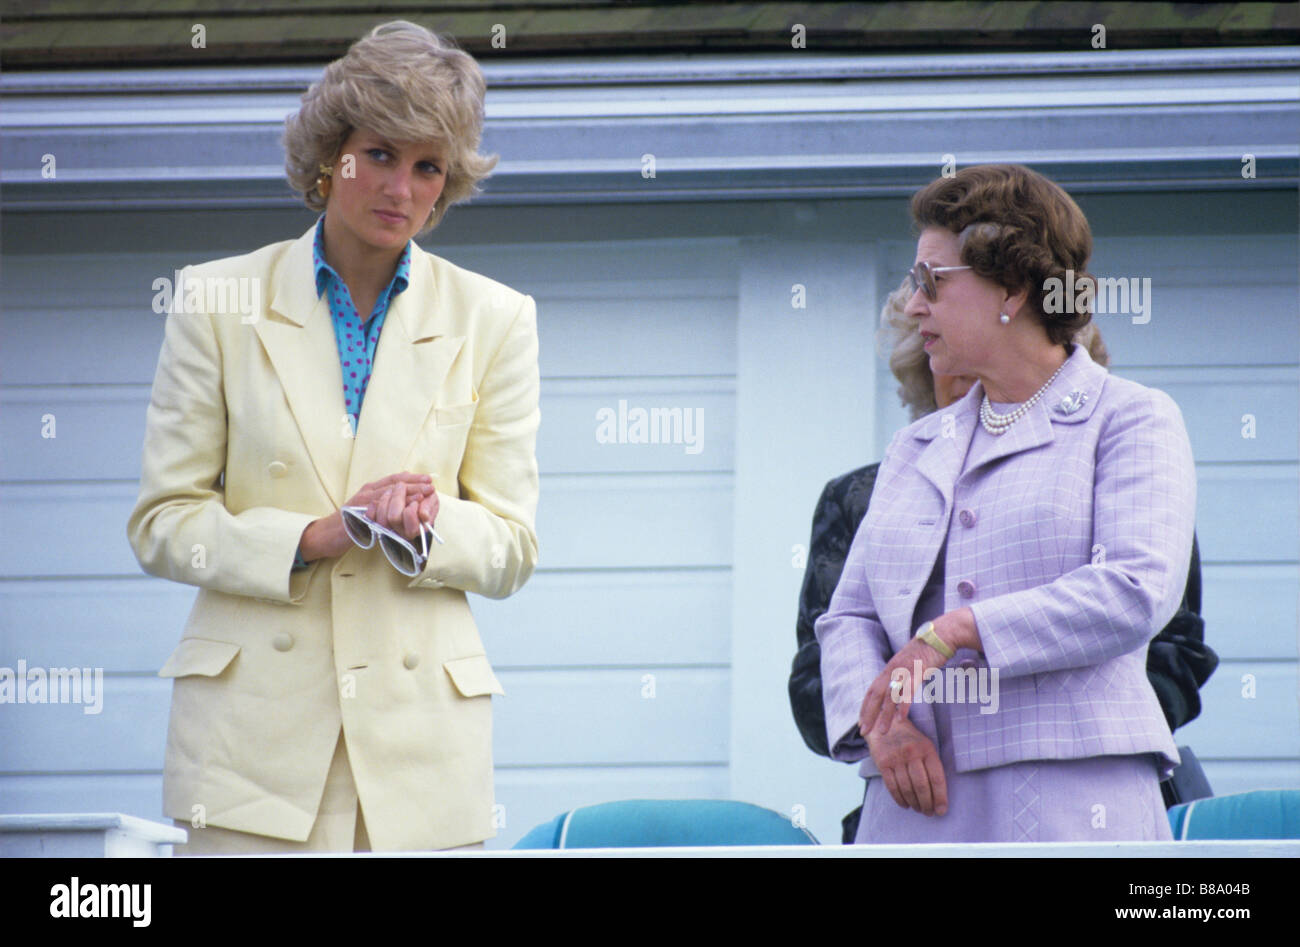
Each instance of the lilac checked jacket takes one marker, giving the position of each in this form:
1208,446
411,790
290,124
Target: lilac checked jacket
1069,538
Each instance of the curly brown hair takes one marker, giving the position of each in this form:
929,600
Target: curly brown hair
1018,229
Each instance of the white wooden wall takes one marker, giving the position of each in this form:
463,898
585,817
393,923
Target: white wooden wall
648,656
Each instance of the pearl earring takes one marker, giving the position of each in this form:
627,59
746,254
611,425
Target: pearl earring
1004,318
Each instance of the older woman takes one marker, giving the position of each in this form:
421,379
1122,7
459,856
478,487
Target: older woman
1178,660
336,470
1033,538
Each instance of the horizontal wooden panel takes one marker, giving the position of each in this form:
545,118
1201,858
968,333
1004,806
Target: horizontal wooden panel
119,625
605,309
549,717
559,619
1196,259
102,279
1233,776
1208,325
1250,611
613,521
612,618
1214,300
653,424
576,337
137,794
636,336
637,425
72,433
636,521
650,715
659,261
1248,512
1231,725
79,345
1248,414
665,268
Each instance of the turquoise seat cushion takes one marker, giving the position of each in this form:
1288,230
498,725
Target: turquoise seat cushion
653,823
1261,814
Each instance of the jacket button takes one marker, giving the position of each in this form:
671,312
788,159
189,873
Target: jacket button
282,642
277,468
966,588
411,662
967,518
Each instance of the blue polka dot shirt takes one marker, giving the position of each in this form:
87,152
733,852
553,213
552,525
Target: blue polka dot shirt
356,338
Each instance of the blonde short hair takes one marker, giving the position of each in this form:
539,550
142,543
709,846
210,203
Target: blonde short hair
406,84
898,338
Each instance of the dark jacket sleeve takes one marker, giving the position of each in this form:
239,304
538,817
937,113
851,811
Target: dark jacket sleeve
1178,659
840,510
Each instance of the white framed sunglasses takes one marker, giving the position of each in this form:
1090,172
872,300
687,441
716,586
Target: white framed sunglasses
397,549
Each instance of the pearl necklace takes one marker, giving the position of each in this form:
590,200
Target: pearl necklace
996,423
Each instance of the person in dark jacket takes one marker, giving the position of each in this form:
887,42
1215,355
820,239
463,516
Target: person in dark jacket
1178,660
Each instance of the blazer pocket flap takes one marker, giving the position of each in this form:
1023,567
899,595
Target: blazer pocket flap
201,656
473,676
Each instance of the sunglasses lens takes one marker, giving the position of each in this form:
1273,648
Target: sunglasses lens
920,277
403,557
357,528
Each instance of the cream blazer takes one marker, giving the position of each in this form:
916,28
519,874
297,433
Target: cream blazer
247,442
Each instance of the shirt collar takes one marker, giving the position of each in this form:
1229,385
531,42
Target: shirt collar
324,272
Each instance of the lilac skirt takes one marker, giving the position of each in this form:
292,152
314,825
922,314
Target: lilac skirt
1097,799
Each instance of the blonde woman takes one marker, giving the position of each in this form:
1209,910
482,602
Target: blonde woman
330,697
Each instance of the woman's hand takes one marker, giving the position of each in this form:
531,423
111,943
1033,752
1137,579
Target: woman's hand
894,689
910,767
326,538
403,505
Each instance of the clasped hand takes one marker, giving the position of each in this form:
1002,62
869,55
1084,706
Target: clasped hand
907,759
910,766
400,502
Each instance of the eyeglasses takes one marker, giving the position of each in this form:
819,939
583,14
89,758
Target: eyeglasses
403,555
921,276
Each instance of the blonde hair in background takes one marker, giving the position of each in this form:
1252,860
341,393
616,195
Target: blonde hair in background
898,340
406,84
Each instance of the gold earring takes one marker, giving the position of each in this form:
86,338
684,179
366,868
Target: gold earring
323,181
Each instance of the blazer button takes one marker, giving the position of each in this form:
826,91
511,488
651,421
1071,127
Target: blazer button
967,518
411,662
277,468
282,642
966,588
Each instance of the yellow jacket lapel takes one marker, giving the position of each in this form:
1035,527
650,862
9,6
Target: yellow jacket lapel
412,359
298,336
